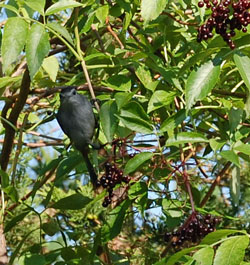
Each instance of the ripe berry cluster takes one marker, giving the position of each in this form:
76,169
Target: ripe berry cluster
112,176
193,230
223,21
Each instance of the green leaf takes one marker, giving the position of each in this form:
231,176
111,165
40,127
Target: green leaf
144,75
136,125
108,119
114,222
13,222
137,190
61,5
11,8
235,186
216,144
4,179
243,64
35,259
232,251
102,13
137,161
122,98
119,82
243,148
151,9
67,165
215,236
172,122
200,82
61,30
235,117
6,81
204,256
135,118
50,228
231,156
186,137
51,66
159,99
172,207
37,47
73,202
177,256
134,110
37,5
14,38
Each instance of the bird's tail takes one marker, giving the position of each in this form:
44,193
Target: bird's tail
89,165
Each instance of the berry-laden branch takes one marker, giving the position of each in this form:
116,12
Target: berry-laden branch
223,21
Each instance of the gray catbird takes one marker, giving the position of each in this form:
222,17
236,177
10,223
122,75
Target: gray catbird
76,118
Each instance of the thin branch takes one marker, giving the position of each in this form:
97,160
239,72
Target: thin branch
98,37
180,21
109,28
78,46
215,183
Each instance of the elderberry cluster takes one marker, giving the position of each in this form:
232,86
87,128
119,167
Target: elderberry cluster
193,230
223,20
111,177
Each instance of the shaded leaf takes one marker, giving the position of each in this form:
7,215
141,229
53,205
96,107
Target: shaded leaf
137,161
114,222
234,116
138,189
14,221
200,82
172,122
14,38
119,82
4,179
136,125
35,259
73,202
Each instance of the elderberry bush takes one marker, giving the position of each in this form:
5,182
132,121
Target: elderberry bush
111,177
193,230
226,17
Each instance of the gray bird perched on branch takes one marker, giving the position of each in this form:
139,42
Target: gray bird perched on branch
76,118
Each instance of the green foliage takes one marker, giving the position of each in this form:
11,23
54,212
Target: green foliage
174,119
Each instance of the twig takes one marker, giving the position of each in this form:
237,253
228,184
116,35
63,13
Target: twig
215,183
98,38
78,46
113,33
180,21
